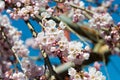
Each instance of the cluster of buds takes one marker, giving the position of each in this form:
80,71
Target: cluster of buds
24,8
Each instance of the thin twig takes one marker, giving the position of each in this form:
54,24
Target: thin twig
82,8
31,28
59,1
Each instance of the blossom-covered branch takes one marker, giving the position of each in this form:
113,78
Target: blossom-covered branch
89,23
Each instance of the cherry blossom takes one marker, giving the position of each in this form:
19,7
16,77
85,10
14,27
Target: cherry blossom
45,15
72,71
62,25
25,8
31,70
18,76
2,5
92,74
101,21
76,53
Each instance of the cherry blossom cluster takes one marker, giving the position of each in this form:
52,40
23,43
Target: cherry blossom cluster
112,38
24,8
92,74
103,20
4,47
15,76
31,70
77,14
77,53
54,42
101,8
2,5
104,24
13,36
10,44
